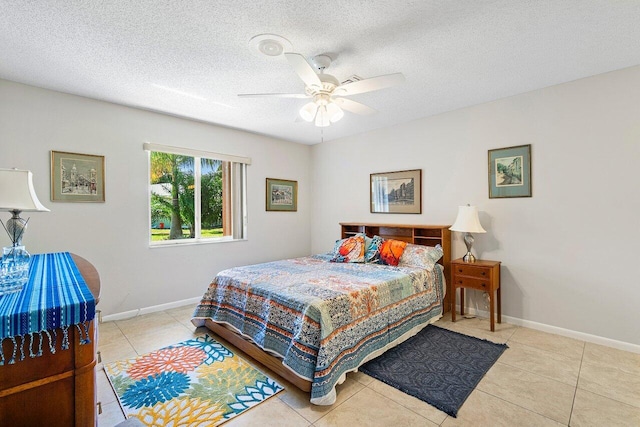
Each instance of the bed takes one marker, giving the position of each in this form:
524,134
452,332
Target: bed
312,320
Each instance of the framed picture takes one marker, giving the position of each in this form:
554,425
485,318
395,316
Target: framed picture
282,195
397,192
510,172
77,177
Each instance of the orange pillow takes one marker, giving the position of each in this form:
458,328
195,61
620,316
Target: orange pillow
391,251
350,250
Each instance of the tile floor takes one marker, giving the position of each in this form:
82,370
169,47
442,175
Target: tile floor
541,380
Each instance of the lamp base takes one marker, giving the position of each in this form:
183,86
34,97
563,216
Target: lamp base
468,241
16,227
14,269
468,257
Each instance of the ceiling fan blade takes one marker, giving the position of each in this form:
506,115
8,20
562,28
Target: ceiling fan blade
274,95
369,85
303,69
354,107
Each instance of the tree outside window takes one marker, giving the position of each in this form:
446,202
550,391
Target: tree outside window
188,197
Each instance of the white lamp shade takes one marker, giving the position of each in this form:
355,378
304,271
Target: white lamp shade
17,193
308,112
335,113
467,220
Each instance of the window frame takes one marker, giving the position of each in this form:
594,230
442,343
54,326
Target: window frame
234,195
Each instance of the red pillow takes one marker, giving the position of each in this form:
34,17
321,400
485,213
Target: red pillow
391,251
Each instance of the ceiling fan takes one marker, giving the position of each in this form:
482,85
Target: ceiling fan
327,92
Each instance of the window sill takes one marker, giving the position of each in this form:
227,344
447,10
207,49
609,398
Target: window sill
192,242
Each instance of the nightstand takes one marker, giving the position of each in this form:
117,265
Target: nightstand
481,275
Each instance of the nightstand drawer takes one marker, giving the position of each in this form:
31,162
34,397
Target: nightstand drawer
472,282
470,270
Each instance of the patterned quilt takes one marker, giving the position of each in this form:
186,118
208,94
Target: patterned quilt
322,318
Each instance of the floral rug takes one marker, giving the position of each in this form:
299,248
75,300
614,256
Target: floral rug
198,382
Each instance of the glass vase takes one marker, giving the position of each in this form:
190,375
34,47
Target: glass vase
14,269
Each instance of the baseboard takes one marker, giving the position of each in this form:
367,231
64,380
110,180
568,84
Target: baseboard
595,339
152,309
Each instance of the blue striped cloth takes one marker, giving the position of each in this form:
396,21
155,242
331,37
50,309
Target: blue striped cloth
56,296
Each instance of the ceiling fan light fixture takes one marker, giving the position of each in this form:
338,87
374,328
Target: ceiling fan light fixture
308,112
322,118
334,112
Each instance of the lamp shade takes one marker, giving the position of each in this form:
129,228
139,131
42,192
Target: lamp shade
17,193
467,220
335,113
308,112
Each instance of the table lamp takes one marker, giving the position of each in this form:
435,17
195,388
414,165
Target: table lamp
467,222
16,195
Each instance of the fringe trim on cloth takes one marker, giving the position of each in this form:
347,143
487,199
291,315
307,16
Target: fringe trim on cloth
30,339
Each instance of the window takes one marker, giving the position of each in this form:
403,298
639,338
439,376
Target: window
195,195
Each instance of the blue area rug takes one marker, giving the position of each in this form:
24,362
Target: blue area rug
438,366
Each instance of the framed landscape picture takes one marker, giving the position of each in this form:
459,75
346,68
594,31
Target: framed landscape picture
77,177
510,172
282,195
397,192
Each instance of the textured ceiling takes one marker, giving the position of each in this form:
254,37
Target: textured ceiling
191,58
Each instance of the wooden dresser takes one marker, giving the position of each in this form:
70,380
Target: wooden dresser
53,389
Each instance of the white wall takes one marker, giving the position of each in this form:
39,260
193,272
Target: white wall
114,235
569,252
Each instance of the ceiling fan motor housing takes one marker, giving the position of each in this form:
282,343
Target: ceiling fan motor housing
329,83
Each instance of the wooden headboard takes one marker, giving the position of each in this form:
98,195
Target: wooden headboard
426,235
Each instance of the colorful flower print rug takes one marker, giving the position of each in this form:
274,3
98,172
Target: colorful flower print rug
198,382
